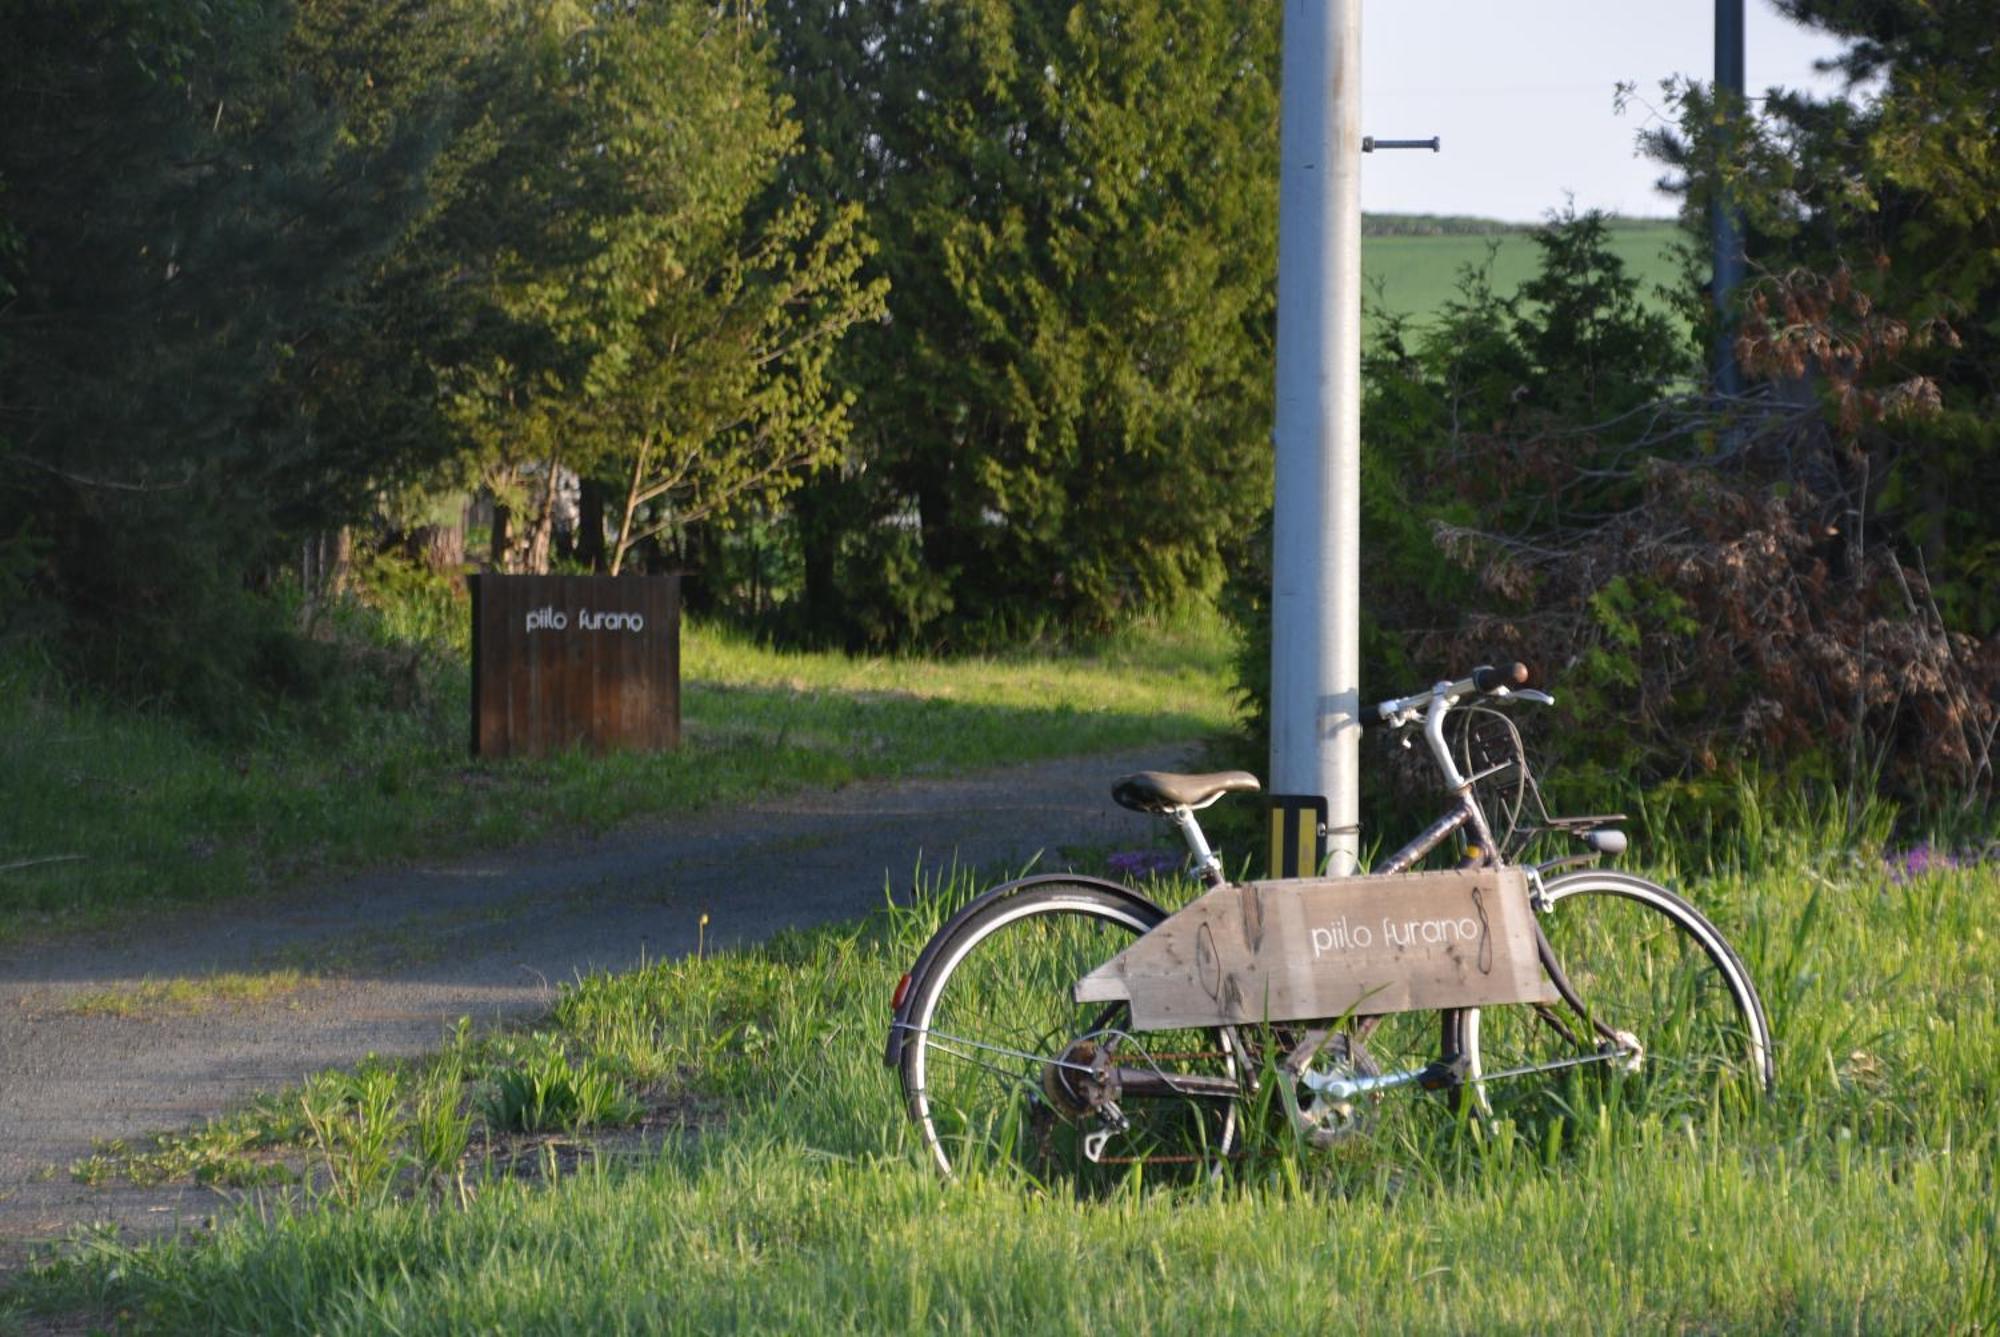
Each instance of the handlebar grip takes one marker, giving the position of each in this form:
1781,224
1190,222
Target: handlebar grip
1486,678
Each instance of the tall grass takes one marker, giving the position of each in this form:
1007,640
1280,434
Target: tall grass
1860,1198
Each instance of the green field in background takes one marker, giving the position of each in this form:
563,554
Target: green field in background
1416,275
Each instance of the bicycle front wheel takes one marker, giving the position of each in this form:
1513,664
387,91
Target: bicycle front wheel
1002,1067
1674,1023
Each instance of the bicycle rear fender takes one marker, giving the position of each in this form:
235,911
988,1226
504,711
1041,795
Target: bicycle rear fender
893,1053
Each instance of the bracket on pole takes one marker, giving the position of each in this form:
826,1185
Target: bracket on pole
1298,834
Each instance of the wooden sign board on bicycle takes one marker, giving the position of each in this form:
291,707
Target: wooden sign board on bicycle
1309,948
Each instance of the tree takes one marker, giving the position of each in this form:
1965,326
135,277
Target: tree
408,82
733,403
1063,422
267,269
1876,245
1692,575
185,218
1598,348
645,314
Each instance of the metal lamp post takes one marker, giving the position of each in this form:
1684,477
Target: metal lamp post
1316,513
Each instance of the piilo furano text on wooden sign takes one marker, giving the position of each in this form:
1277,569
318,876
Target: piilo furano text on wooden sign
567,661
1309,948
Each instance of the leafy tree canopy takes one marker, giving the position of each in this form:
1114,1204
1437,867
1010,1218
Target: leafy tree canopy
182,220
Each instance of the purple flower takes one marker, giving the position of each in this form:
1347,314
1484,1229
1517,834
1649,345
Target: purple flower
1921,860
1143,863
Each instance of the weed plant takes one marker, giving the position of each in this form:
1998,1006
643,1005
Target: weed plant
545,1092
440,1127
1859,1198
357,1122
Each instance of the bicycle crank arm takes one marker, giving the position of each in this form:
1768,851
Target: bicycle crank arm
1436,1076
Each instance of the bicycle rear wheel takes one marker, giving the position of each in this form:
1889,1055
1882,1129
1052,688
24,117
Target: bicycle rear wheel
1675,1025
1002,1067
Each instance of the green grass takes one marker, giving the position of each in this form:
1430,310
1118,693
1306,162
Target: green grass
1862,1198
185,996
1417,275
103,811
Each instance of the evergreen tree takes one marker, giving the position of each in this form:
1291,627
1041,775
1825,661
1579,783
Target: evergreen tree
1064,421
184,216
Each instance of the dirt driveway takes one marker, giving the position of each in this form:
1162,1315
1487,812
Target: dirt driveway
397,956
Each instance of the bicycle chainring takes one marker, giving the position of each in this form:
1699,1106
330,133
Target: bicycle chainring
1322,1120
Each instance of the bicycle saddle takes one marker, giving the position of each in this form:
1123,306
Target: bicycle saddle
1163,791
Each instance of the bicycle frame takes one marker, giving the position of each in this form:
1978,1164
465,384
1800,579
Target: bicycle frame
1208,867
1465,812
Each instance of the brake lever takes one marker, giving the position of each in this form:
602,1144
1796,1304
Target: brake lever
1530,694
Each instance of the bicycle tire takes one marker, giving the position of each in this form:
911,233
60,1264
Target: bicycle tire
1648,965
995,1010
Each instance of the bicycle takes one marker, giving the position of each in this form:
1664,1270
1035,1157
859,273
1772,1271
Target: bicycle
999,1062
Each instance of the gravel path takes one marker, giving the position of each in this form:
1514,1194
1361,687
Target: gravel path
399,955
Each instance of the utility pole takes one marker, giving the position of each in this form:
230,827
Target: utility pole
1726,227
1316,520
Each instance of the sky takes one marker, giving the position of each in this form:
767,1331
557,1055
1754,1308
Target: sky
1521,93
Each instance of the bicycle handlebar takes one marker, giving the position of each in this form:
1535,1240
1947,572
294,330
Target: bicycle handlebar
1485,679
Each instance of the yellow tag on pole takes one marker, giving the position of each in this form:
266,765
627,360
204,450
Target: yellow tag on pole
1298,834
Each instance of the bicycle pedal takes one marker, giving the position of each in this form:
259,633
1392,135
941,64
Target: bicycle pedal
1444,1074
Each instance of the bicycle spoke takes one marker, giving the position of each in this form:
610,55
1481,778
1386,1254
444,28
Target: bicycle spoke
1683,1021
